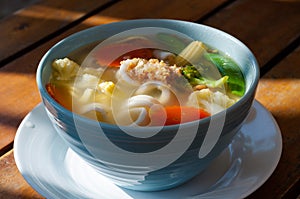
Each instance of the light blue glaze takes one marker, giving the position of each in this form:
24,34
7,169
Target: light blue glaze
70,126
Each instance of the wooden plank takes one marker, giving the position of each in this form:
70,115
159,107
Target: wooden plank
30,25
8,7
188,10
12,184
27,26
279,92
19,97
266,27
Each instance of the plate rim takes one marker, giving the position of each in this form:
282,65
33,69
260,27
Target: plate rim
45,192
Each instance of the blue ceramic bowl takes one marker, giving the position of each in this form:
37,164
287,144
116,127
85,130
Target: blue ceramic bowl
165,157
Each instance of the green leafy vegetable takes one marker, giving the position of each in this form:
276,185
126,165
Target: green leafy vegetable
228,67
192,74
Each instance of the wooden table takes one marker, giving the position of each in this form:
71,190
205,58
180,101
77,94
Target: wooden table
271,29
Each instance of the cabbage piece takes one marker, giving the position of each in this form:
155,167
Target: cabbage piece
86,81
210,83
212,102
191,54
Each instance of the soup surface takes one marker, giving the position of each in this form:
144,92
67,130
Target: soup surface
146,81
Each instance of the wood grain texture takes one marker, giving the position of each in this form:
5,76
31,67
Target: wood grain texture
177,9
27,26
30,25
279,92
266,27
8,7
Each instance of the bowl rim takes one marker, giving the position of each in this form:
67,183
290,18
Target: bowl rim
159,22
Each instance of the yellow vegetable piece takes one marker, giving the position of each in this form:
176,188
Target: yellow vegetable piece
191,54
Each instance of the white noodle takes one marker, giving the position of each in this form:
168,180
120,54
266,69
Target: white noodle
142,101
122,73
142,116
151,88
137,110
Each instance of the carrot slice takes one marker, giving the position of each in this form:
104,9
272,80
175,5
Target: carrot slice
112,55
177,114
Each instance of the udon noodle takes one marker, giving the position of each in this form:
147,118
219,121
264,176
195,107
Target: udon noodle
147,86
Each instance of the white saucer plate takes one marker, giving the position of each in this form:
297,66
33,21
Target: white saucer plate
55,171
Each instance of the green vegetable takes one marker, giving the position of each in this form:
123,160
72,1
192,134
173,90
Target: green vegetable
173,42
192,74
228,67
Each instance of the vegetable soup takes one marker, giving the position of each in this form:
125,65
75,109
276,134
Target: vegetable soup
146,81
